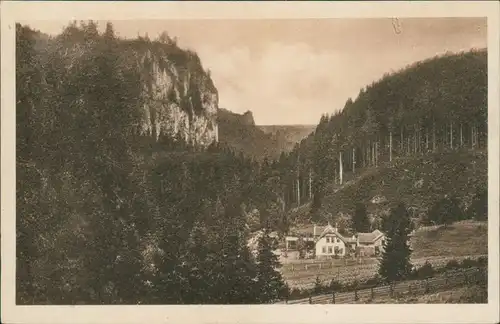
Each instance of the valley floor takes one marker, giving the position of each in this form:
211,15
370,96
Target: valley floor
437,244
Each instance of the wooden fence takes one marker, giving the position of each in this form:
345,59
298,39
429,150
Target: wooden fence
336,263
447,280
325,264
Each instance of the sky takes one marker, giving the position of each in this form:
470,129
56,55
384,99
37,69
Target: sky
292,71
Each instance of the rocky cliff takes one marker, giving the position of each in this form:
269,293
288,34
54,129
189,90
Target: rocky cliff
175,94
179,97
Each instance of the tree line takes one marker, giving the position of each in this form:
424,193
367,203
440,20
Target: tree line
108,216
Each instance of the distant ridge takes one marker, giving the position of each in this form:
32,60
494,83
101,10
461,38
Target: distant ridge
239,132
288,135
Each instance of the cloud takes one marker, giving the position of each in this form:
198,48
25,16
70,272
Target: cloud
278,83
289,83
294,83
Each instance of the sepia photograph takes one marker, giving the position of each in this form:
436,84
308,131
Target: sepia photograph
251,161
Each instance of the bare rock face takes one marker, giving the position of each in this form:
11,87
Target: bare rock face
248,118
179,98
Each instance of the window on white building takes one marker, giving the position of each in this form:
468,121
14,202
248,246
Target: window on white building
324,249
329,250
327,240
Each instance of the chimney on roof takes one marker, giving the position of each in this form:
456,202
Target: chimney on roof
314,231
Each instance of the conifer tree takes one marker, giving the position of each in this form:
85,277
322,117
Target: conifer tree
270,281
445,211
361,222
395,264
478,209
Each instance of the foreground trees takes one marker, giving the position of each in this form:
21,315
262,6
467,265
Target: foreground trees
448,209
360,220
395,264
101,221
270,282
478,209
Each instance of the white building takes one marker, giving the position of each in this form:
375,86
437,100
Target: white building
327,242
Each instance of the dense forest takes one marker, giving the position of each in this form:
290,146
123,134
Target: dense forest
434,106
240,133
109,215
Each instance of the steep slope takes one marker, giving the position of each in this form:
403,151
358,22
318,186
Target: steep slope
418,182
240,133
174,95
179,97
429,109
99,221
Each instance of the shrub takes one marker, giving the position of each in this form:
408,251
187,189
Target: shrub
469,263
285,292
452,264
478,209
294,293
425,271
482,261
445,211
335,285
351,286
318,286
374,281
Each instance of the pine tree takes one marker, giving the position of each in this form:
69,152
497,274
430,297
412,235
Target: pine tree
395,264
270,281
238,269
360,220
445,211
478,209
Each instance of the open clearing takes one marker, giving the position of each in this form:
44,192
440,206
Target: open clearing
436,244
458,239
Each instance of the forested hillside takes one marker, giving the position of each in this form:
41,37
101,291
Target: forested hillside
435,106
288,135
240,133
123,196
420,182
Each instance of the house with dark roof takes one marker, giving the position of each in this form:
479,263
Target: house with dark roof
370,244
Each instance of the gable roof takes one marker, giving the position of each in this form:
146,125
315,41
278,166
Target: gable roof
331,230
307,230
321,231
370,237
